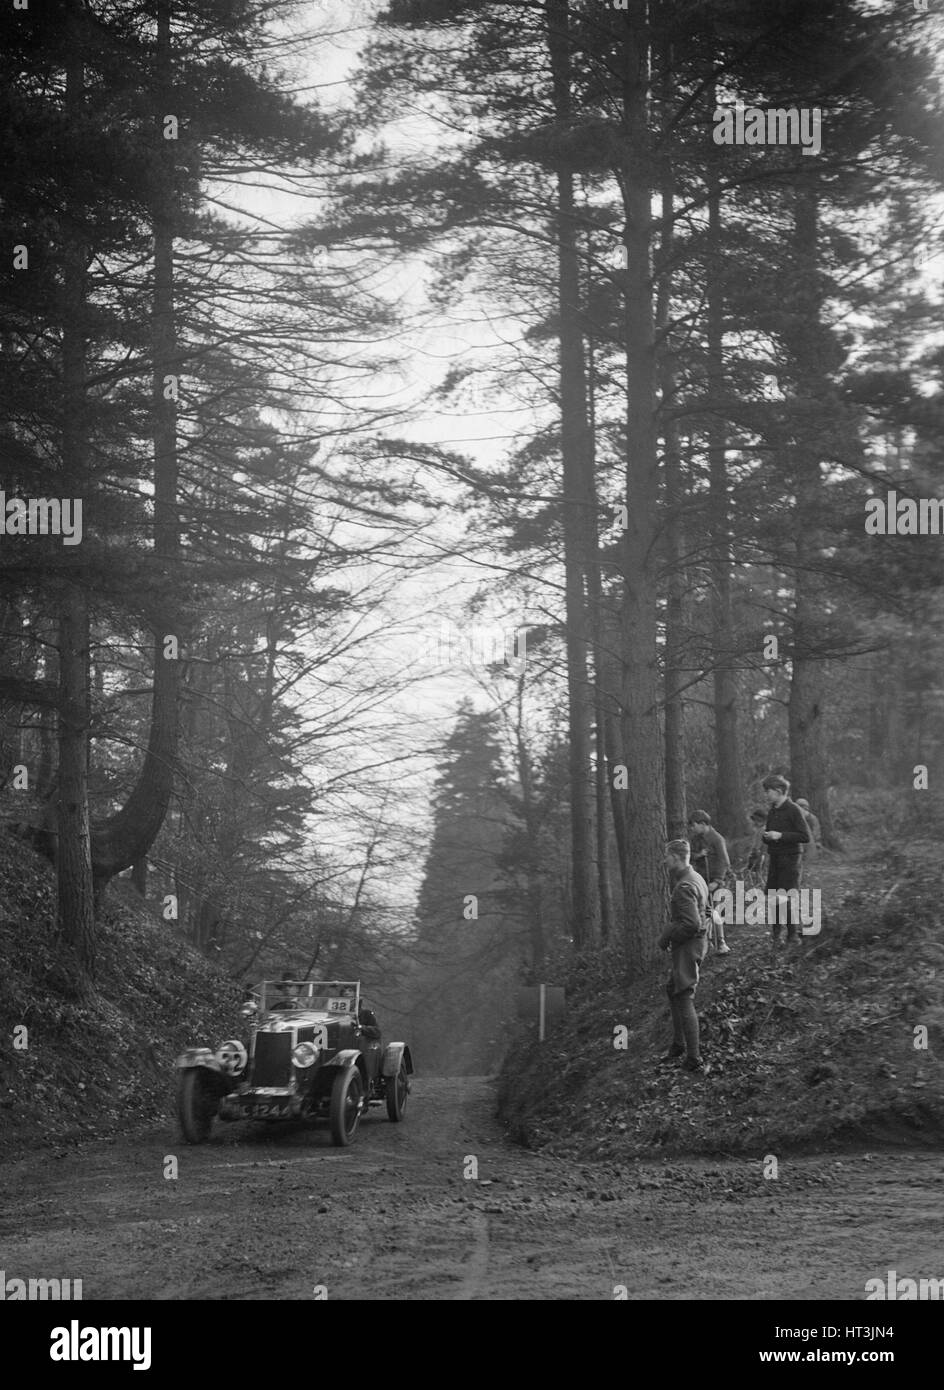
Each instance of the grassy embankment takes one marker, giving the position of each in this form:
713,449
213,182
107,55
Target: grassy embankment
807,1046
106,1066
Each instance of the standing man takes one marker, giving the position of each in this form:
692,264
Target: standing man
785,832
711,860
686,937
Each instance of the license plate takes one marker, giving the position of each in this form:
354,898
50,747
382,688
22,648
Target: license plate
263,1109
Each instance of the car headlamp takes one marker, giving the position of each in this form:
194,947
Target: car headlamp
305,1054
232,1057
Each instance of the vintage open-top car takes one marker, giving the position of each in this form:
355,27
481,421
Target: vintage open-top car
314,1050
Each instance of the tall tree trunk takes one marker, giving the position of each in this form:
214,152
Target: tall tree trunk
675,805
876,769
133,829
207,923
45,781
223,876
808,761
74,861
76,901
579,516
532,823
602,795
602,779
676,808
729,810
139,875
646,904
609,682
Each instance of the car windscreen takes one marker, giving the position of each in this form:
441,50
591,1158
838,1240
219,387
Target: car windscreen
322,996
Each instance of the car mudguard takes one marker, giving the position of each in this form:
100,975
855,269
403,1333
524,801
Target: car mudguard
347,1057
394,1054
198,1057
202,1059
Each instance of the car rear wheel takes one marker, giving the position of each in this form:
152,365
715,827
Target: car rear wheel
196,1106
398,1088
346,1095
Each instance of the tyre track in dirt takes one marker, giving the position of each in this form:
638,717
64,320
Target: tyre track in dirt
276,1215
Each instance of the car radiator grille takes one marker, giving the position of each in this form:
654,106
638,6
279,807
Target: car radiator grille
272,1060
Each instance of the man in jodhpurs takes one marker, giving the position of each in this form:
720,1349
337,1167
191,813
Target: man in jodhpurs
785,832
687,938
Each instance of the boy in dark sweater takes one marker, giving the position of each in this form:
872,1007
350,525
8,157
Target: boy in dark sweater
785,832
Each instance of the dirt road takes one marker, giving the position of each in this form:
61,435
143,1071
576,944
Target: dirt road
253,1215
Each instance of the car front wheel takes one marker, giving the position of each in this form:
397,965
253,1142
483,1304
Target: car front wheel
346,1095
398,1088
196,1106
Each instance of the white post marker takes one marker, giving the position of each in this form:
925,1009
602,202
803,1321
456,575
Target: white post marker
542,993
